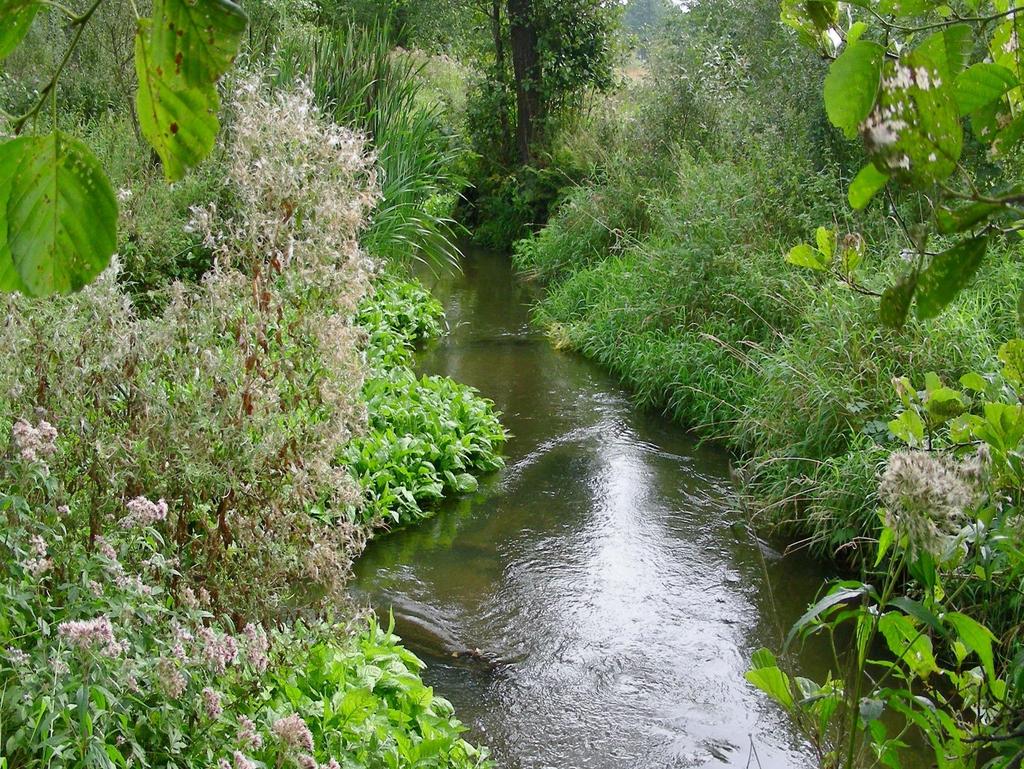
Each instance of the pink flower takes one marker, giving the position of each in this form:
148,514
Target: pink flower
143,512
105,549
242,761
171,679
294,733
38,564
218,651
247,735
91,634
34,442
211,703
256,647
306,761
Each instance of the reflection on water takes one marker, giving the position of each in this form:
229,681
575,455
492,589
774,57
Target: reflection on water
603,575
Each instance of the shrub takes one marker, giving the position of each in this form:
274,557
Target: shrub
233,403
98,668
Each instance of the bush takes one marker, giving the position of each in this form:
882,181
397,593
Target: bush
98,668
233,403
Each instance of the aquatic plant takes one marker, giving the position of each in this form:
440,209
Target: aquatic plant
428,437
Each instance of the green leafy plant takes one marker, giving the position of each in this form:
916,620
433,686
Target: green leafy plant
949,540
428,437
58,211
906,79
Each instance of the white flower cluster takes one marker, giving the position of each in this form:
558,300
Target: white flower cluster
926,496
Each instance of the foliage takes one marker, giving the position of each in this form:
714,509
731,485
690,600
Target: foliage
233,402
906,79
428,437
99,668
665,267
950,520
58,211
359,80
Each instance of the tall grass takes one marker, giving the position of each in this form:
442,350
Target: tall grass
362,82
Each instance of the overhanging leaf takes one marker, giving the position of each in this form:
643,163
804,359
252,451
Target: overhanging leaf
9,278
914,131
194,43
852,84
954,220
981,84
947,274
60,213
948,51
179,123
865,185
892,309
16,17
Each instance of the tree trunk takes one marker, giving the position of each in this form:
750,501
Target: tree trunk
524,67
501,73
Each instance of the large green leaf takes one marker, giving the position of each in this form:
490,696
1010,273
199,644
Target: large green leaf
804,255
947,274
975,637
10,280
194,43
767,677
892,309
981,84
60,214
180,123
914,132
852,84
16,17
865,185
953,220
948,51
909,643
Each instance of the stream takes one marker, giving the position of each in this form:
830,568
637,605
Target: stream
606,574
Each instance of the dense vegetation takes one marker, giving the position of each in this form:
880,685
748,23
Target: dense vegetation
205,429
855,425
201,441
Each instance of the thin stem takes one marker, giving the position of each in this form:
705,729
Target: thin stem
955,19
50,88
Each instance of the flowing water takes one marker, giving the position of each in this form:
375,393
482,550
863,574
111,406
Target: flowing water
606,576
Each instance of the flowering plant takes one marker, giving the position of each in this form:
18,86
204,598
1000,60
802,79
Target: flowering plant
949,540
100,667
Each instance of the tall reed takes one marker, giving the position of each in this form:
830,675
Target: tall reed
362,82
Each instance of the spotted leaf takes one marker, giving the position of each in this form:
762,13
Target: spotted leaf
180,123
16,17
59,215
194,42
